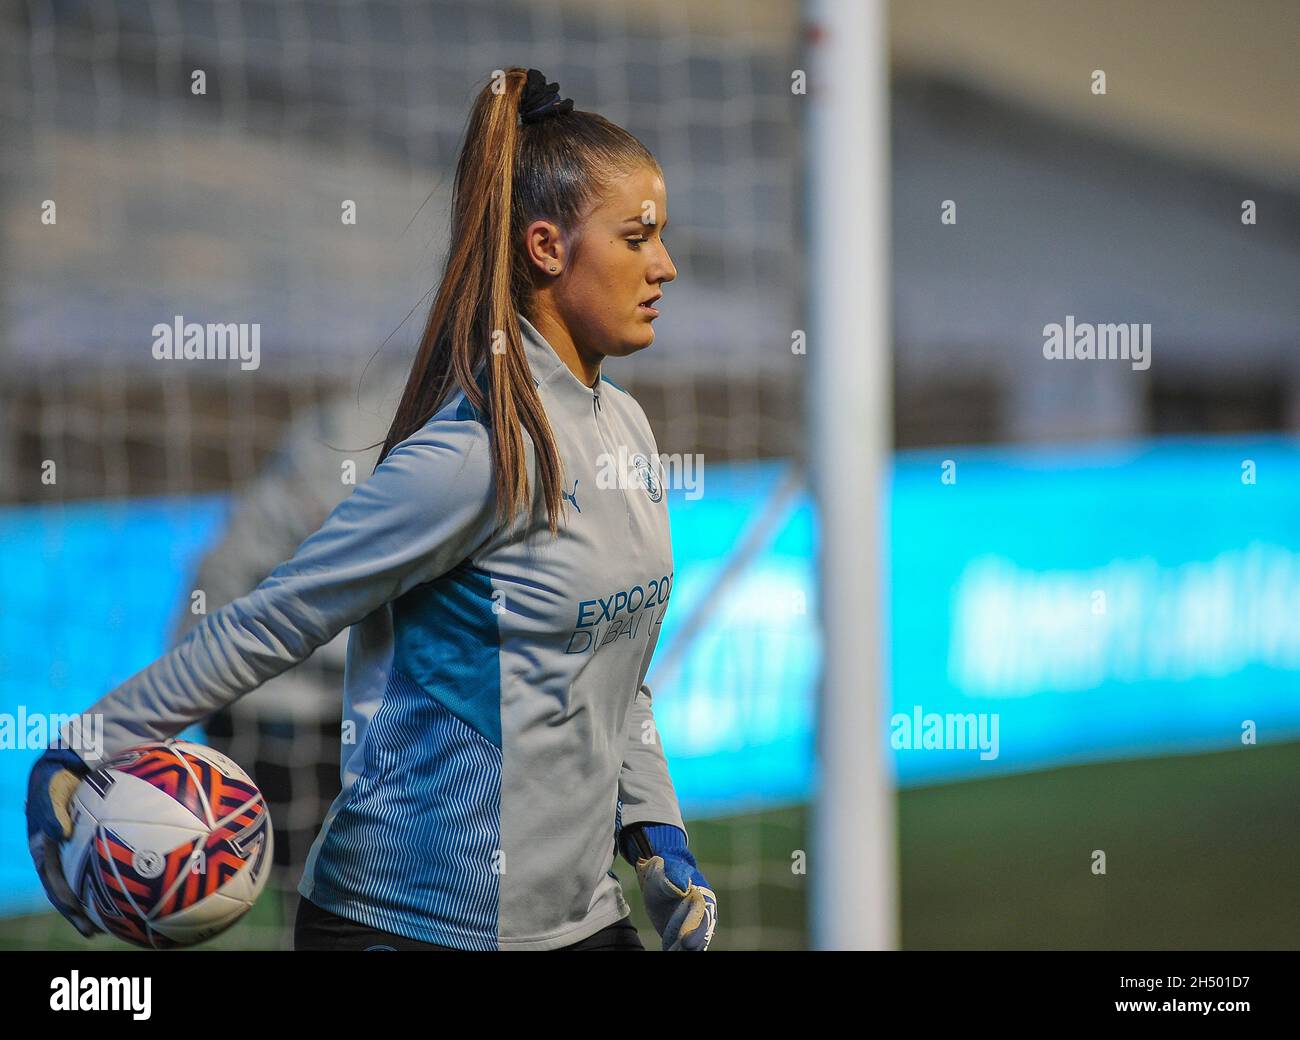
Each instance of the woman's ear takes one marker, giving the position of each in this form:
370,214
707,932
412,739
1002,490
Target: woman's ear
545,247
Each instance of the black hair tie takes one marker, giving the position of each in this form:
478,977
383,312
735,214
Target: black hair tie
541,100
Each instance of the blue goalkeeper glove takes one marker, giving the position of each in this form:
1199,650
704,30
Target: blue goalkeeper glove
678,899
50,788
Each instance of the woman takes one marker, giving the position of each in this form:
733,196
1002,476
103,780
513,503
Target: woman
505,593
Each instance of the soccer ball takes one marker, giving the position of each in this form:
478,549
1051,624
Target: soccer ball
171,844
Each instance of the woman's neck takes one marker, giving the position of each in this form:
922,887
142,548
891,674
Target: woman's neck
586,368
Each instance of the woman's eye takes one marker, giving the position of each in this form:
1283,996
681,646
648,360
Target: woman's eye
635,243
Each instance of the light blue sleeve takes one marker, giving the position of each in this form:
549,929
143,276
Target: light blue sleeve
645,790
428,506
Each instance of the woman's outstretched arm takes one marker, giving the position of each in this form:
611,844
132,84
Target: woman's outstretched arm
428,506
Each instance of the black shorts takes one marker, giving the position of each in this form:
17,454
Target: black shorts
317,929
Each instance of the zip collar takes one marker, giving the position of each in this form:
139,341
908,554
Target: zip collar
548,366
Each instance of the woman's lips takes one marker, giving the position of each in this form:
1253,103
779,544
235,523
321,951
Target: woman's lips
653,312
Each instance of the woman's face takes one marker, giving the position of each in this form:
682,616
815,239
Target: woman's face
614,266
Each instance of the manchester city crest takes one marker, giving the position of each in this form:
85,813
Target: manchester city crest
653,485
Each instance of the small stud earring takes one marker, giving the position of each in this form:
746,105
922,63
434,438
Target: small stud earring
554,268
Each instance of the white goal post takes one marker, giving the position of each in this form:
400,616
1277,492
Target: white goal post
853,868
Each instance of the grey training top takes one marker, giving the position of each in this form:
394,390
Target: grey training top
497,725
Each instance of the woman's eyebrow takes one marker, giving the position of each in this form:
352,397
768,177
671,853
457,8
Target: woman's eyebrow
644,223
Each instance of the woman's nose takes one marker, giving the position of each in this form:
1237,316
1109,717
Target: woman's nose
668,270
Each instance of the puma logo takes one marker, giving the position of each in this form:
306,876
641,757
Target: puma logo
572,496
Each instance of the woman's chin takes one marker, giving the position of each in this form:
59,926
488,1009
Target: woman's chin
636,340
